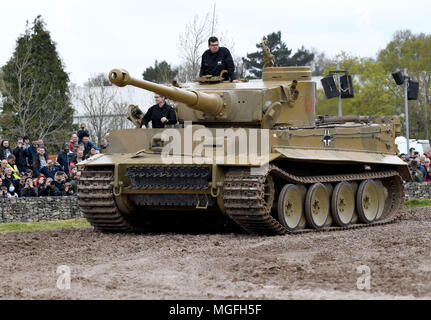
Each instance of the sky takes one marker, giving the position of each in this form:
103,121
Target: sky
95,36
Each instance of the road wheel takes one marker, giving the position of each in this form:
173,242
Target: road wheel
343,204
383,195
367,201
317,206
290,207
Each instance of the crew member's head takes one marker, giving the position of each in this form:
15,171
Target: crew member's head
160,100
213,44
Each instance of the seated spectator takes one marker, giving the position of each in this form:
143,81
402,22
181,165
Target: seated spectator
73,140
415,172
21,183
82,132
104,145
5,150
29,189
60,181
64,158
49,189
3,166
3,192
29,173
50,169
39,161
69,190
87,146
12,193
9,179
21,155
12,165
75,179
93,152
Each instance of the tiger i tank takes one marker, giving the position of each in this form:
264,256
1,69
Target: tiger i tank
253,152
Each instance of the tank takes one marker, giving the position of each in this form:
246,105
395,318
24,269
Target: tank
252,152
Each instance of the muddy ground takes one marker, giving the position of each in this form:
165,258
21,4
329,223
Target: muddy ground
221,266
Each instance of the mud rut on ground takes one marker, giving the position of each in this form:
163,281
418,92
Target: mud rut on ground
221,266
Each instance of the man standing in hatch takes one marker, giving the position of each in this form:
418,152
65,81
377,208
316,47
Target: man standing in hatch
216,59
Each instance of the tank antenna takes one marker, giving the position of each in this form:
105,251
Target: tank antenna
212,26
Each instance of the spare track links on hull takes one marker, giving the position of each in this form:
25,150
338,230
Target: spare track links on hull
244,195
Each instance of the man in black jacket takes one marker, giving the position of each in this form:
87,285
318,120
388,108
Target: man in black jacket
216,59
160,114
21,155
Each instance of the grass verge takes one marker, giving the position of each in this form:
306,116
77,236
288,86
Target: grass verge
417,203
44,225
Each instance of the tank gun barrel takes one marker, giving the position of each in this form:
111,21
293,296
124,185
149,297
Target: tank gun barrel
207,103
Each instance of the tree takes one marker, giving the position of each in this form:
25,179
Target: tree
254,61
372,88
35,90
102,111
161,73
411,51
194,41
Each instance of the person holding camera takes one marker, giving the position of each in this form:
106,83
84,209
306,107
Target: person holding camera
48,189
21,156
29,189
415,172
82,132
69,190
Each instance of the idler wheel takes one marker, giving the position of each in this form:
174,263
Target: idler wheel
343,204
317,206
367,201
290,207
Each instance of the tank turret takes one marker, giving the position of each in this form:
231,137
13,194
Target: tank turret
284,97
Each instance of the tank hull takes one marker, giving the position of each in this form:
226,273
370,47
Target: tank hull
143,176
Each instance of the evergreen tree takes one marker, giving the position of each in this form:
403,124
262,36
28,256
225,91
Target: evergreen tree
254,61
35,90
161,73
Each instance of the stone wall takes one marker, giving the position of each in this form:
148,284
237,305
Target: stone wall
416,190
39,209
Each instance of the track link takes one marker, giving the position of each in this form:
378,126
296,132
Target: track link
244,191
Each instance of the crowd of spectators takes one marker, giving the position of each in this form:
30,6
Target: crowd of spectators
26,170
419,164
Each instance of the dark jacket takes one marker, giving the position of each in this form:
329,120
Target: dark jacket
64,160
36,165
81,134
32,154
8,181
4,152
155,113
214,63
21,155
28,192
45,191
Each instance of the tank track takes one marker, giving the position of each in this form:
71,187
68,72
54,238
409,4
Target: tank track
243,197
96,200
